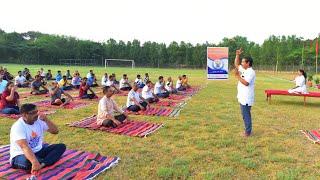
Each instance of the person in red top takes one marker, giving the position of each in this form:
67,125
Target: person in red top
83,90
9,103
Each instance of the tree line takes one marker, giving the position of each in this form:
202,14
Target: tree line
39,48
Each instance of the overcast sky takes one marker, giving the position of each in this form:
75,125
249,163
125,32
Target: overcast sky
195,21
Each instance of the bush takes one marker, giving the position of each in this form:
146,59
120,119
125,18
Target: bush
316,80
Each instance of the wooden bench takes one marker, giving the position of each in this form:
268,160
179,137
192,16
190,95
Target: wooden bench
270,93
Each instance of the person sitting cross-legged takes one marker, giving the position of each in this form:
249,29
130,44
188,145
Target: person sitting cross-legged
27,150
135,102
106,109
83,90
148,94
160,90
139,81
36,85
115,79
64,84
185,82
9,101
124,83
146,78
68,74
56,98
112,84
104,79
58,76
21,81
169,86
49,75
179,86
76,81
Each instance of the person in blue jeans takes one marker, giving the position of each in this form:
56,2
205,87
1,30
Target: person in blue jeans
27,150
9,101
246,78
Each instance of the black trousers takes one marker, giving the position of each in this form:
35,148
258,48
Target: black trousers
135,108
110,123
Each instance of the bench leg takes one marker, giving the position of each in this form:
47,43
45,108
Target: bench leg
269,99
304,100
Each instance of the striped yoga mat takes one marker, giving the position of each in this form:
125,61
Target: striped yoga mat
130,128
313,135
154,111
71,105
177,97
17,116
72,165
166,103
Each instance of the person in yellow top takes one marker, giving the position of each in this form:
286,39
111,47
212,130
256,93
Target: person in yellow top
185,82
64,84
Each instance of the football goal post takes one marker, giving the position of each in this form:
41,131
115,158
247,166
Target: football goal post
119,62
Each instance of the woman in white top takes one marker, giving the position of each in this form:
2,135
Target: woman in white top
300,81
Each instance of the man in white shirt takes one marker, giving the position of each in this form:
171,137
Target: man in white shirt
20,80
160,90
124,83
139,81
135,102
26,141
148,94
179,86
111,83
106,109
246,78
104,79
169,86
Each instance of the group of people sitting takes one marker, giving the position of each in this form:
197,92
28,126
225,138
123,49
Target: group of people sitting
9,97
26,137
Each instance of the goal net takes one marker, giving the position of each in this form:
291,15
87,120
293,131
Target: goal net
119,63
77,62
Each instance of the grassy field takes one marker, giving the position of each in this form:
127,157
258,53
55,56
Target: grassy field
204,142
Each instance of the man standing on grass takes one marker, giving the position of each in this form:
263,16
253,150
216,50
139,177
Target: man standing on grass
246,78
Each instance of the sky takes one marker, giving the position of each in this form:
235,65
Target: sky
194,21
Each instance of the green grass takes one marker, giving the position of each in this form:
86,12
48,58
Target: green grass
204,142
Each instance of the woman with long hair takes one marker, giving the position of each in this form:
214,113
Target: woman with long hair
300,82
